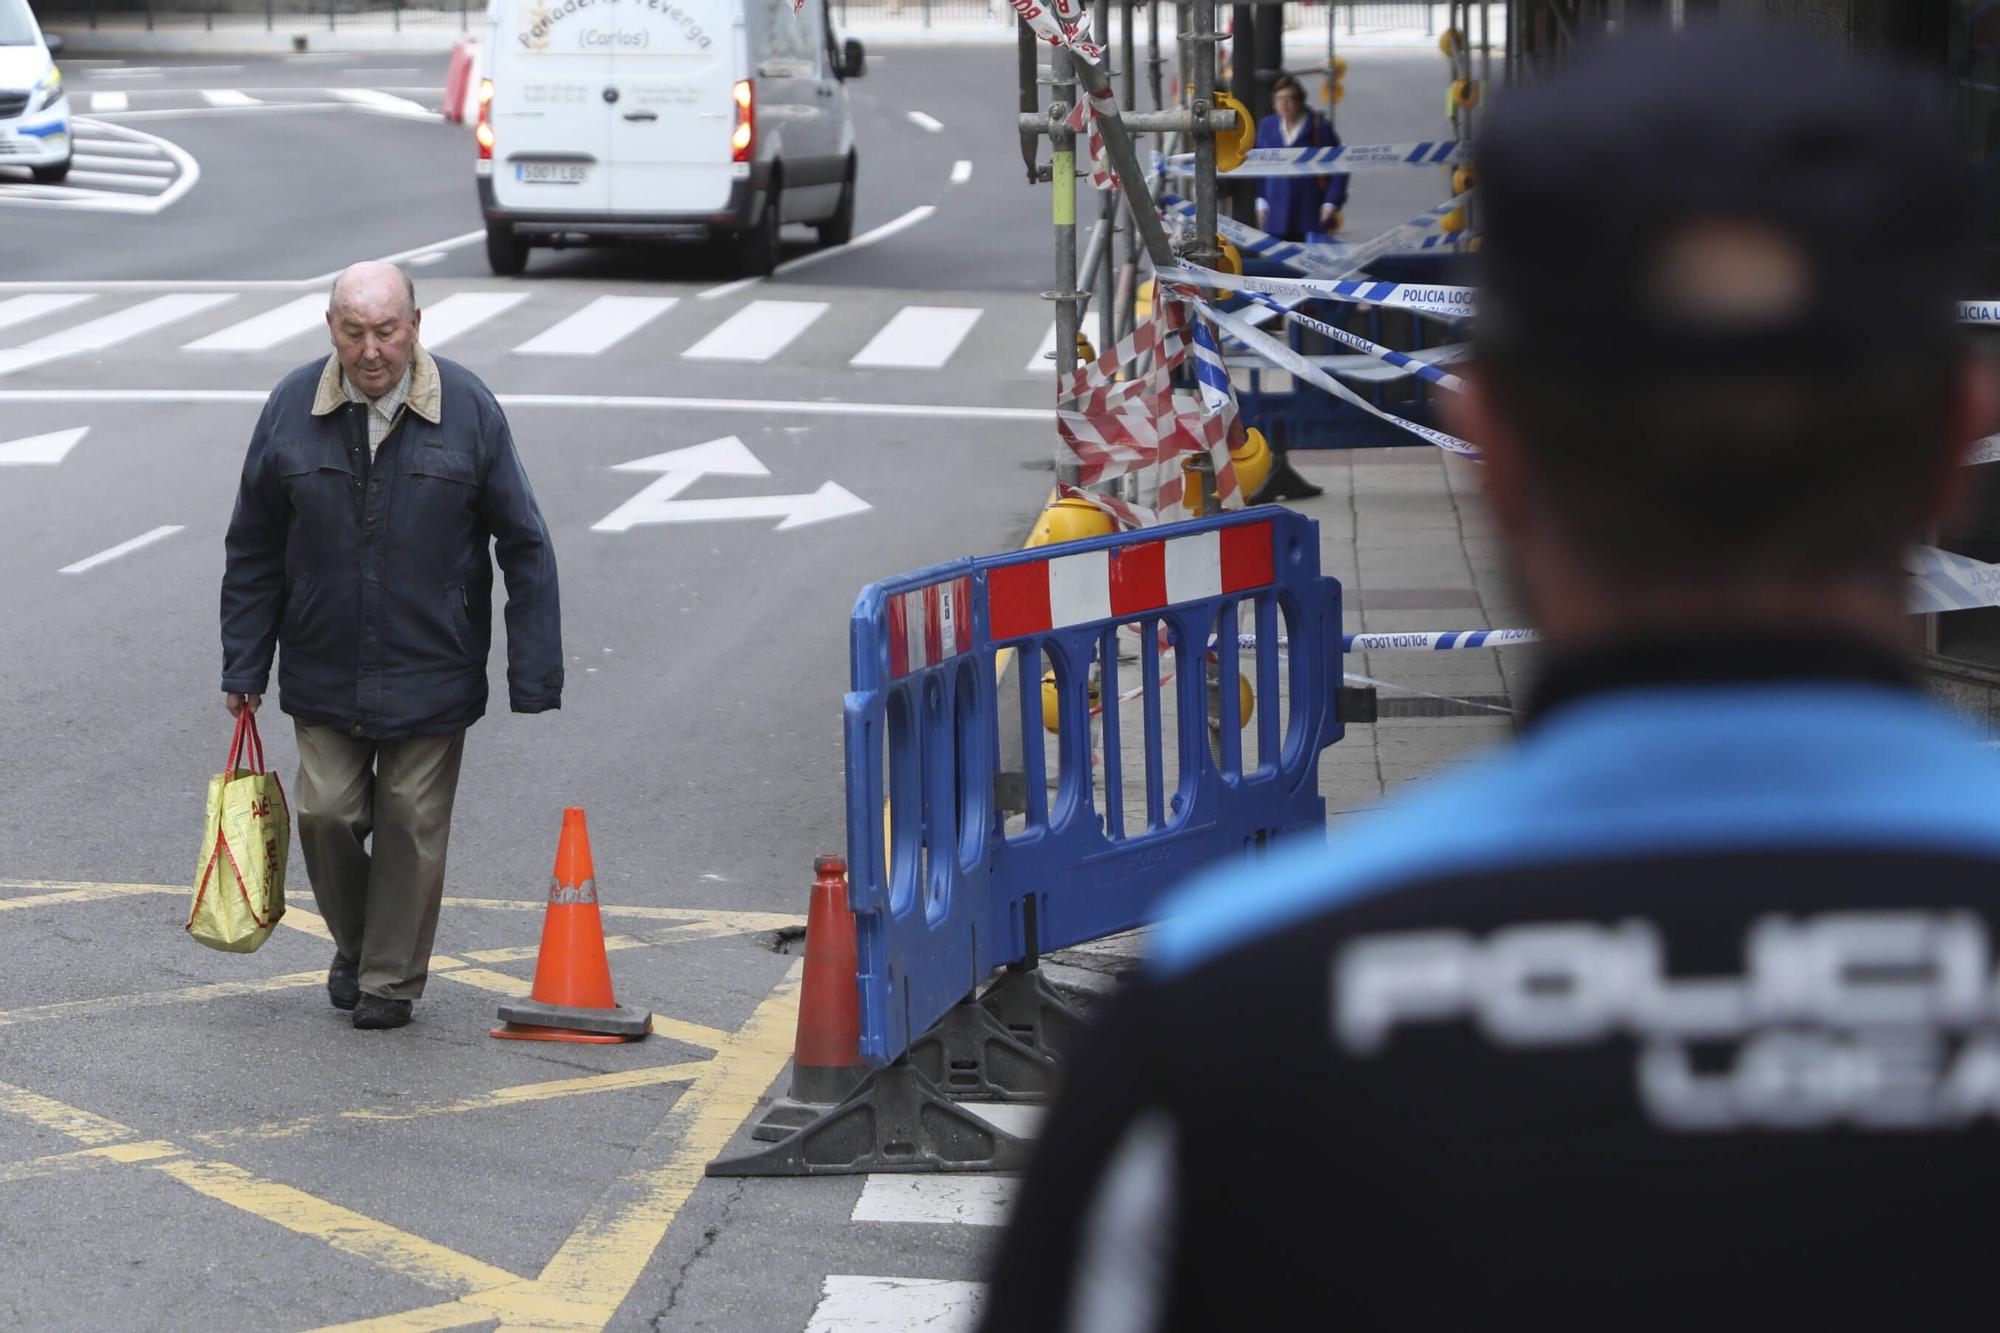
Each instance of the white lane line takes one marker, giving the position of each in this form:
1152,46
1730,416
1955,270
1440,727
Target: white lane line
130,166
386,103
924,122
205,112
109,101
605,321
425,259
21,309
1044,359
291,320
973,1201
112,201
865,239
400,71
98,334
920,337
849,1304
91,143
118,179
757,332
463,312
570,402
122,548
227,97
961,171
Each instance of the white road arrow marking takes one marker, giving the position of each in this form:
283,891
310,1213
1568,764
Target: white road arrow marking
726,457
41,449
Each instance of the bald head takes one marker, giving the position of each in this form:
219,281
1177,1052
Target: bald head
373,317
371,287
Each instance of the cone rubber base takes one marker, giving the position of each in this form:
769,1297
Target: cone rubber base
532,1032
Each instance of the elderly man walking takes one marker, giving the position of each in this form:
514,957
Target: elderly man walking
375,482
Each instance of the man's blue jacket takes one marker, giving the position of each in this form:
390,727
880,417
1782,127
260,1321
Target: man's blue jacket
372,579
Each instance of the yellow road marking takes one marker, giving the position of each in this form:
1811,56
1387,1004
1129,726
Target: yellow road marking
430,1319
517,1095
57,1163
694,1034
216,990
591,1275
499,983
62,1118
62,891
344,1229
310,923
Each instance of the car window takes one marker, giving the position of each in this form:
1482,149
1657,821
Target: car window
17,25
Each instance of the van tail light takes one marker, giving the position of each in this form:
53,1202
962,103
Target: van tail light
484,132
743,139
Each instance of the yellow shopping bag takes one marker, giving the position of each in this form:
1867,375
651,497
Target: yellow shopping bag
239,891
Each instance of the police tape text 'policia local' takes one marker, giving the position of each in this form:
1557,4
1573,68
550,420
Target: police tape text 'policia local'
1876,1020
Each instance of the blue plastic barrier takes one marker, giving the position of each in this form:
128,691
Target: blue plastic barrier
945,893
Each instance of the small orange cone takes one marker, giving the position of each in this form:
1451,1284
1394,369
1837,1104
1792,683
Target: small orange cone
571,999
826,1056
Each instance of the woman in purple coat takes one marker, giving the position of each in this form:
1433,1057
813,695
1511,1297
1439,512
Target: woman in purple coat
1290,207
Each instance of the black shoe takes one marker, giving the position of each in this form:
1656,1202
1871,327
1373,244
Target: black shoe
375,1013
343,983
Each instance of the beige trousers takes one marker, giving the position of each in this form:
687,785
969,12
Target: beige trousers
380,898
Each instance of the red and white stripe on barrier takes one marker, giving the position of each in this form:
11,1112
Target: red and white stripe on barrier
929,625
1044,595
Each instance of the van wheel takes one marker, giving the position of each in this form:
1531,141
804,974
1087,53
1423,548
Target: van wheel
50,175
757,245
506,253
839,229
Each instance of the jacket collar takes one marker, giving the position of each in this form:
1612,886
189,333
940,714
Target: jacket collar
426,397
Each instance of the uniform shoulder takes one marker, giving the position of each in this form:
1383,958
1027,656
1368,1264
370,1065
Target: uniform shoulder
1724,770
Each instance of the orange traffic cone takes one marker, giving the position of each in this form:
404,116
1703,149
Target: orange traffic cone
826,1056
571,999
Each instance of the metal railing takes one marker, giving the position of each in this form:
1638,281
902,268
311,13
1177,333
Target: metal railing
268,15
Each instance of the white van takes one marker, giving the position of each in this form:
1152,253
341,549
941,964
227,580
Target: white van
623,119
34,113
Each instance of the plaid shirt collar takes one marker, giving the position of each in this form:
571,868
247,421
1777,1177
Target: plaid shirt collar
422,390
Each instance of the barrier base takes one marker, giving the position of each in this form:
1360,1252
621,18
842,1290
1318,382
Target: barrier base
1034,1011
896,1121
787,1116
973,1056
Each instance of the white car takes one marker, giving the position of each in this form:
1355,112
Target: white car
663,119
34,113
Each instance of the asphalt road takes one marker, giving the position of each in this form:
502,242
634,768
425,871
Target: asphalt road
189,1139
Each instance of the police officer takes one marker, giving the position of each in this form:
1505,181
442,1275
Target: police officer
1682,1011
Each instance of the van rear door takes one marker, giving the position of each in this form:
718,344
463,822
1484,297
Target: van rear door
551,72
674,64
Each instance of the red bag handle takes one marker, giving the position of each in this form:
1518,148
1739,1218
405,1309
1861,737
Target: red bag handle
246,731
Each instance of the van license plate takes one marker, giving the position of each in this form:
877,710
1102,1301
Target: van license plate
549,173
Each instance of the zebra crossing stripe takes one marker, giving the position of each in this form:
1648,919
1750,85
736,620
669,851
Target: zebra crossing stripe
462,312
851,1304
599,325
290,320
227,97
21,309
97,334
109,101
1044,359
919,337
961,1200
757,332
